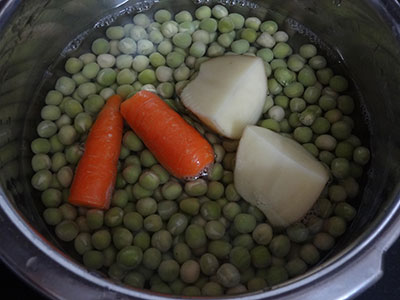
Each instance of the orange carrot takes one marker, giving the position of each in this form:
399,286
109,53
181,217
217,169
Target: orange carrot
95,175
175,144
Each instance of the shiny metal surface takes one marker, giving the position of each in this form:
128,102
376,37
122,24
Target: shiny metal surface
359,36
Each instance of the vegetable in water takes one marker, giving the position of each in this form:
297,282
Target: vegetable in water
175,144
228,94
277,175
94,179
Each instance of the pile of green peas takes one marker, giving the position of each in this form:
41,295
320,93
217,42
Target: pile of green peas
197,237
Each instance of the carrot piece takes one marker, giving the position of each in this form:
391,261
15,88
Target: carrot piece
175,144
95,175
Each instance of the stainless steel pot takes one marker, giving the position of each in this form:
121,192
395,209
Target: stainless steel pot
363,34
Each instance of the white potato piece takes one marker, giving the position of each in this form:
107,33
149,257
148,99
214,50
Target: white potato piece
228,93
277,175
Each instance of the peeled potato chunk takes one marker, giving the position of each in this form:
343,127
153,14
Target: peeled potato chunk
228,94
277,175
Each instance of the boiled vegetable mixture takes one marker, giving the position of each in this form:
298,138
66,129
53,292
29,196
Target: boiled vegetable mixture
211,177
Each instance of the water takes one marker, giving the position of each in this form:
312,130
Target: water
81,44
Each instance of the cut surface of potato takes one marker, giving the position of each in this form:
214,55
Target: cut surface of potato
277,175
228,93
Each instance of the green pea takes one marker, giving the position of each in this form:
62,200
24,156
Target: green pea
276,275
282,50
65,85
83,122
109,255
146,206
323,241
50,112
295,267
307,77
53,97
190,206
256,283
212,289
361,155
93,104
151,258
133,221
162,16
336,226
303,134
326,142
190,271
345,211
195,236
67,135
122,237
309,253
93,259
147,159
142,240
240,257
271,124
113,217
210,210
95,218
175,59
153,223
244,223
134,279
214,230
240,46
294,89
130,256
41,180
41,162
124,153
171,190
73,153
338,83
101,239
52,216
219,248
296,232
46,128
340,168
82,243
195,188
209,264
65,176
320,125
139,192
162,240
40,145
68,211
67,230
191,291
280,245
120,198
131,173
228,275
260,257
181,252
262,234
323,207
326,157
203,12
230,193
